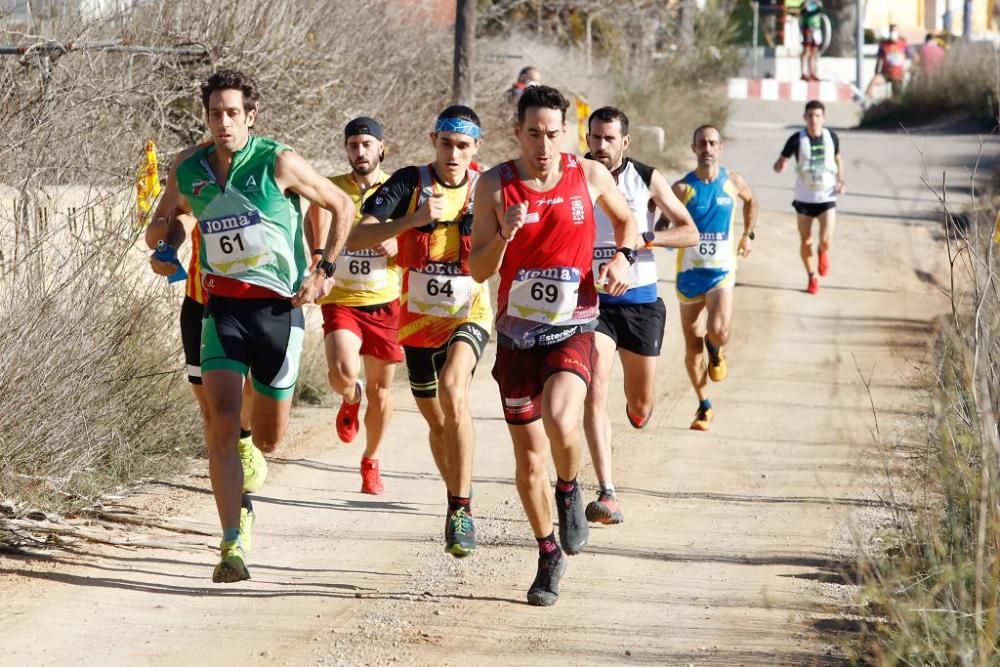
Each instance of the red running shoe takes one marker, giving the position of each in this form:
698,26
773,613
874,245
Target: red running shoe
347,417
813,285
824,262
371,481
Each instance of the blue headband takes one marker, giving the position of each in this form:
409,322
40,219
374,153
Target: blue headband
458,125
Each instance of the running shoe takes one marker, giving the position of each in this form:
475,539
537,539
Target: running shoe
824,262
233,565
460,533
254,465
347,416
544,589
605,509
636,421
702,419
247,517
573,529
717,367
813,287
371,481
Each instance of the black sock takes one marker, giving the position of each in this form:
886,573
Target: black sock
244,433
245,503
562,486
459,502
548,548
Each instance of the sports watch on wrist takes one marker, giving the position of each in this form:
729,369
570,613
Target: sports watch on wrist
751,235
648,238
326,267
628,253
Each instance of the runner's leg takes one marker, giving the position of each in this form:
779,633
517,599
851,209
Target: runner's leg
827,223
562,402
431,411
719,303
596,422
806,244
693,324
640,382
223,396
379,375
269,420
453,395
343,362
531,475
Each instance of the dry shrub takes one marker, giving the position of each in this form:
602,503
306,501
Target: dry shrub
935,594
966,86
91,371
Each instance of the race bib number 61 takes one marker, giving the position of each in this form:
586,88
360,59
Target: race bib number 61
235,243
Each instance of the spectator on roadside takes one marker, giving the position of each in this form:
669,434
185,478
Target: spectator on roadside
930,55
890,63
811,27
529,76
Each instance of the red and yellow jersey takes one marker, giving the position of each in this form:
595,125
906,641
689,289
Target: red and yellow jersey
194,287
363,277
438,293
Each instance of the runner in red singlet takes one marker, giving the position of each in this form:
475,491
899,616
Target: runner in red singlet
534,224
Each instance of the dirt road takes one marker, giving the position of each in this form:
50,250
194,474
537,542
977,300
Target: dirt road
728,555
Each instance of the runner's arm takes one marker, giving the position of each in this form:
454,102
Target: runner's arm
385,213
791,148
604,191
172,220
841,187
292,172
488,247
682,231
317,227
750,208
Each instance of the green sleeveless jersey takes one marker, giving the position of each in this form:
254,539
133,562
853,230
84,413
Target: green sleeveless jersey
250,230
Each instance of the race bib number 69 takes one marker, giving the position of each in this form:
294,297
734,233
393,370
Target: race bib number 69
548,296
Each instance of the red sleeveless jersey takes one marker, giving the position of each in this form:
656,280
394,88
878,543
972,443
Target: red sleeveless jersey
547,291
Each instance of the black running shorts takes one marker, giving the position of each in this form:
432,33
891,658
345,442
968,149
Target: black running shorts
812,210
191,314
636,327
423,364
260,336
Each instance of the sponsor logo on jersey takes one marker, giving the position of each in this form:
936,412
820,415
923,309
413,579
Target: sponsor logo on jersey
229,222
250,185
724,201
579,214
198,186
548,201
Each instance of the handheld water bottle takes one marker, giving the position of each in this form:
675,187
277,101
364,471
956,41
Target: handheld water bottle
168,254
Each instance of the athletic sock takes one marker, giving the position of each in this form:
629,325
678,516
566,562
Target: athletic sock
245,502
357,392
244,433
712,350
705,404
459,502
562,486
608,489
230,534
548,548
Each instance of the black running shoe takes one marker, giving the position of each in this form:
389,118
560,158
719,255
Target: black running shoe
459,533
544,589
573,529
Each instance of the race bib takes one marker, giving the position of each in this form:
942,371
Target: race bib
235,243
441,290
548,296
712,250
361,270
603,257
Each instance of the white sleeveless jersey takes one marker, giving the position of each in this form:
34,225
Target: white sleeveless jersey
633,182
817,170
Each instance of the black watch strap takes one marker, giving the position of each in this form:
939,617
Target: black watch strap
751,236
326,267
628,253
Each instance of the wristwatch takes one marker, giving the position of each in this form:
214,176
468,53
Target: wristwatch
628,253
648,238
326,267
751,236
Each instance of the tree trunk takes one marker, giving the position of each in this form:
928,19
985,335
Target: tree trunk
465,39
685,21
843,17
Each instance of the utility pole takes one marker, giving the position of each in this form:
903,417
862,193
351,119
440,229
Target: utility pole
465,39
859,45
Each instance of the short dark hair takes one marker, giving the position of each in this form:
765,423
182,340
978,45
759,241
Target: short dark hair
609,115
541,97
525,71
701,128
229,79
461,112
815,104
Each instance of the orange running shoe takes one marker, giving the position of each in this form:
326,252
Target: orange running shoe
371,481
813,287
347,417
824,262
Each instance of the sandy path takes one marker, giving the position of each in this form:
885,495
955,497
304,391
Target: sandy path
728,554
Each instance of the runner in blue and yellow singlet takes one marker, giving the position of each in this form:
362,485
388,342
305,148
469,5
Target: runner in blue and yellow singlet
706,272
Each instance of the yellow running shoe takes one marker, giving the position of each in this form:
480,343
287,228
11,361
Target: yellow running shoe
247,518
233,566
254,465
702,419
717,368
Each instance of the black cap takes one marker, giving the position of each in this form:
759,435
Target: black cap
363,125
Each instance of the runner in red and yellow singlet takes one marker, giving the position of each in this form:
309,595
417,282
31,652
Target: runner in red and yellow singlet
534,225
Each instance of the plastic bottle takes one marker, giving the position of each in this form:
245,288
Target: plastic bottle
168,254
